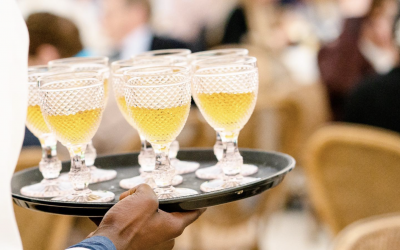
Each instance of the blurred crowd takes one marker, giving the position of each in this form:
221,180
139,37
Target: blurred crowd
339,43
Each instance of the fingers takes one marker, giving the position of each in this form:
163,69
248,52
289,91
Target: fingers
178,221
126,193
140,197
189,217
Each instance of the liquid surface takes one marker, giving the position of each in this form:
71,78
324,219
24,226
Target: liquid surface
225,110
35,121
78,128
160,126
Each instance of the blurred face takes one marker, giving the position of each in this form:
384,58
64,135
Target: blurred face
119,19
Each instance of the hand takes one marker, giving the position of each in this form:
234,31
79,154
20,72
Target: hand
136,222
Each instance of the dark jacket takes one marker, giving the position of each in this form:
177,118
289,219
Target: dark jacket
376,102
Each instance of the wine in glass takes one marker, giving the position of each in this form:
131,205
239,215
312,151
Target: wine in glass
146,157
158,101
225,92
50,165
72,105
215,171
177,57
99,64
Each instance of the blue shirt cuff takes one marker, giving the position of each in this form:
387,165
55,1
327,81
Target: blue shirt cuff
96,243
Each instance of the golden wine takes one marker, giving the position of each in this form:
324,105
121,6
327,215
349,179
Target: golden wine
78,128
35,121
227,111
160,125
124,110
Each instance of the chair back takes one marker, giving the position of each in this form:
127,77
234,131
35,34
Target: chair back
353,173
378,232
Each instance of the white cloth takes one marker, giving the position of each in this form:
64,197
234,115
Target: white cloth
381,60
136,42
14,45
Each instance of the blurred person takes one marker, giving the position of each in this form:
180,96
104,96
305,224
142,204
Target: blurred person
52,37
363,48
126,22
375,101
83,13
282,29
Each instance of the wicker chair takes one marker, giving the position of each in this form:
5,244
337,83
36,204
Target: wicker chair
379,232
40,230
353,173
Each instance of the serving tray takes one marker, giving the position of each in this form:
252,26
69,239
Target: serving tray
273,167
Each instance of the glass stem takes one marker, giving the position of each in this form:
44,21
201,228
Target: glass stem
90,154
173,150
231,158
79,174
143,142
218,147
164,172
50,165
146,157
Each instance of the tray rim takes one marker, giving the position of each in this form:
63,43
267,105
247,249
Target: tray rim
108,205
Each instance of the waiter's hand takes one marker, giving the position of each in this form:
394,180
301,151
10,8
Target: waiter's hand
136,222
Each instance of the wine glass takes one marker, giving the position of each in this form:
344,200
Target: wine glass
72,105
50,165
158,100
215,171
225,90
146,157
99,64
178,57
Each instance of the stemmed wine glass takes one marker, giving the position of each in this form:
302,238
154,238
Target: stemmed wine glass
72,105
225,90
50,165
146,157
178,57
158,100
99,64
215,171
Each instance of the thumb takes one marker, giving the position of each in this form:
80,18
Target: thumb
142,189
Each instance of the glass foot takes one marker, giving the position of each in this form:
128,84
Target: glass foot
209,173
87,196
96,175
184,167
134,181
220,184
169,193
248,169
47,189
99,175
215,172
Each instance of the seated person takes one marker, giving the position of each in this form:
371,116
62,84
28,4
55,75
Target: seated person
126,22
375,101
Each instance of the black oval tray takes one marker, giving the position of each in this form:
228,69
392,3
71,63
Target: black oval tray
272,169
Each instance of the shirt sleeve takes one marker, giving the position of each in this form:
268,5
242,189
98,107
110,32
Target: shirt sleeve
94,243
